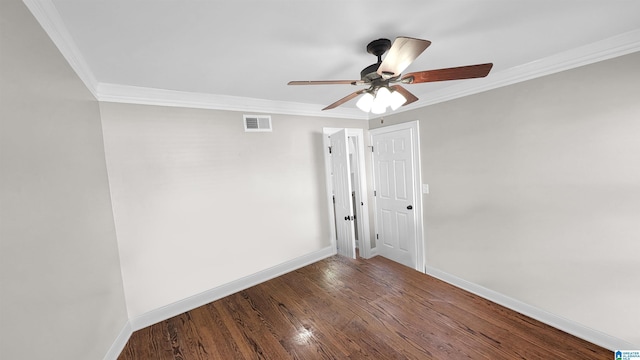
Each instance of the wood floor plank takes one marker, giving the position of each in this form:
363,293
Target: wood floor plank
457,301
311,330
341,308
212,327
248,331
517,324
399,336
149,343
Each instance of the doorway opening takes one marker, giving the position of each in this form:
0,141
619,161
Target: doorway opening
347,191
395,161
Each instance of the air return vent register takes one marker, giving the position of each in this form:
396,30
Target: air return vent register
254,123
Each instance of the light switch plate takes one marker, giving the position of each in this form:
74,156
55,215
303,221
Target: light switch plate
425,188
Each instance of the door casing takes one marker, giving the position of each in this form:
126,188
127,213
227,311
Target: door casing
362,210
417,185
343,193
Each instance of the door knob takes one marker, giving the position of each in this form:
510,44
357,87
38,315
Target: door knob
409,207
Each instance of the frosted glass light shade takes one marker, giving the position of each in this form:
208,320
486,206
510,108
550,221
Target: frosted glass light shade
396,100
378,108
365,102
381,101
382,96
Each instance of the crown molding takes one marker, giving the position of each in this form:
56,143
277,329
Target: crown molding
47,15
609,48
148,96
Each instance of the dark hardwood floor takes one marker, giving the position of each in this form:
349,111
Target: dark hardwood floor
341,308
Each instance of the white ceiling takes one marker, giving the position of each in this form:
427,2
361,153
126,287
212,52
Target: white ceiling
244,52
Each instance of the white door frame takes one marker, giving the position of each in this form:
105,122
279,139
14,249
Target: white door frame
343,204
417,185
362,211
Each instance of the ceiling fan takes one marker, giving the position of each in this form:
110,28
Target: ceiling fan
384,78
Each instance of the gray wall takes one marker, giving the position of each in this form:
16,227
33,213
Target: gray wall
62,294
535,192
198,202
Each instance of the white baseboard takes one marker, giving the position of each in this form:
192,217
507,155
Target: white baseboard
120,342
192,302
179,307
558,322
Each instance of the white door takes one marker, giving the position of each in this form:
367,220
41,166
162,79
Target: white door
342,194
393,163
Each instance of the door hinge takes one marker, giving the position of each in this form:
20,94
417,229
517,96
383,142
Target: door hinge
374,193
372,149
329,149
377,236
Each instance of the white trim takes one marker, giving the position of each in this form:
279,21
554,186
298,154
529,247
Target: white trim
147,96
119,343
192,302
417,184
179,307
615,46
363,222
326,143
46,14
365,246
558,322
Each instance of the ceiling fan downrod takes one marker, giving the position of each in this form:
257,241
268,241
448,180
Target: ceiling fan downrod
376,48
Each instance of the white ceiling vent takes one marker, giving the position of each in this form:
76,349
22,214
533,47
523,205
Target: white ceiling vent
257,123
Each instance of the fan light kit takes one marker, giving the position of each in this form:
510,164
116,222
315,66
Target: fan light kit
380,94
379,102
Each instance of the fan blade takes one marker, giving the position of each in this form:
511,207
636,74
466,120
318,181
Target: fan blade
407,95
325,82
456,73
402,53
345,99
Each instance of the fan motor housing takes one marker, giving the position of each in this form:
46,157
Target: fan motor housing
377,48
369,73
